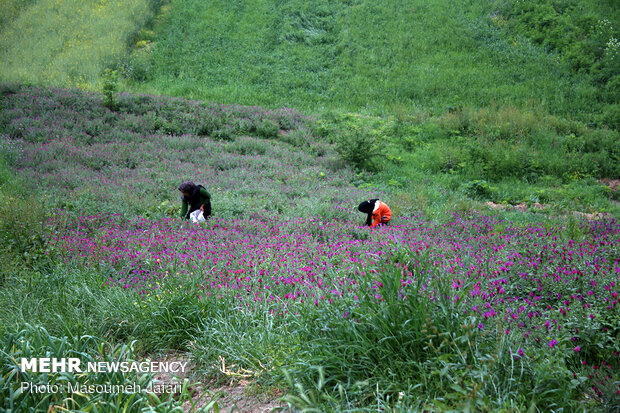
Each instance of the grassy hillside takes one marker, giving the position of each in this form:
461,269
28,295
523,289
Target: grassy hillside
66,43
353,55
458,94
559,57
291,113
473,311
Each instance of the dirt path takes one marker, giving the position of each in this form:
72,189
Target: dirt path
238,396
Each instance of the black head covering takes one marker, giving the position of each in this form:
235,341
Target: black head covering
188,187
367,207
193,194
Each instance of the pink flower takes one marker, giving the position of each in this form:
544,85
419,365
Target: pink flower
577,349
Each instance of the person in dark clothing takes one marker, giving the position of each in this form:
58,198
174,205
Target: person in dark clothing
378,212
194,198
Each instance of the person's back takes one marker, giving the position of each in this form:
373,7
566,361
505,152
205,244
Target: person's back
378,212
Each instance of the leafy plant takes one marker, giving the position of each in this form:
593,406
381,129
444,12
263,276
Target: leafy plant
361,148
479,189
109,88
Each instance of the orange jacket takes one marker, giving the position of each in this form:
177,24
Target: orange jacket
382,214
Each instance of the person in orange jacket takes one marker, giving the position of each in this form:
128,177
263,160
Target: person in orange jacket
378,212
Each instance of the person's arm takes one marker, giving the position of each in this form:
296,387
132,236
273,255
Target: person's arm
205,196
386,214
184,208
376,219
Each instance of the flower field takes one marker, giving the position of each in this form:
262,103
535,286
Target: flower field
546,293
529,278
475,311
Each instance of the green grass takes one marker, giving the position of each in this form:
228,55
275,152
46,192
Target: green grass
440,106
66,43
354,55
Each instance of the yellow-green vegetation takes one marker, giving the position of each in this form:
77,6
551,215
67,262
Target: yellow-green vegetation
10,10
66,42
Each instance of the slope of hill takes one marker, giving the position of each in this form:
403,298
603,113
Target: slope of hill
451,92
354,55
282,277
433,106
67,43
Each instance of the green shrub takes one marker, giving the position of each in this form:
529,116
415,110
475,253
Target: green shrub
109,88
208,125
227,133
268,128
611,115
137,65
360,148
23,238
301,138
479,189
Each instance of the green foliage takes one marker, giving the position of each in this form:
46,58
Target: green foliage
33,341
580,32
268,128
169,323
11,9
361,141
395,349
479,189
314,55
23,239
506,144
109,88
611,116
360,148
67,43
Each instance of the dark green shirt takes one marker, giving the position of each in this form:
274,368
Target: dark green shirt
205,197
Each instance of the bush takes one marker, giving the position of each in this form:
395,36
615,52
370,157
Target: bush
23,238
267,128
479,189
110,86
360,148
611,115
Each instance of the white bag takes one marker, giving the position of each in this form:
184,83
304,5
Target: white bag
197,217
